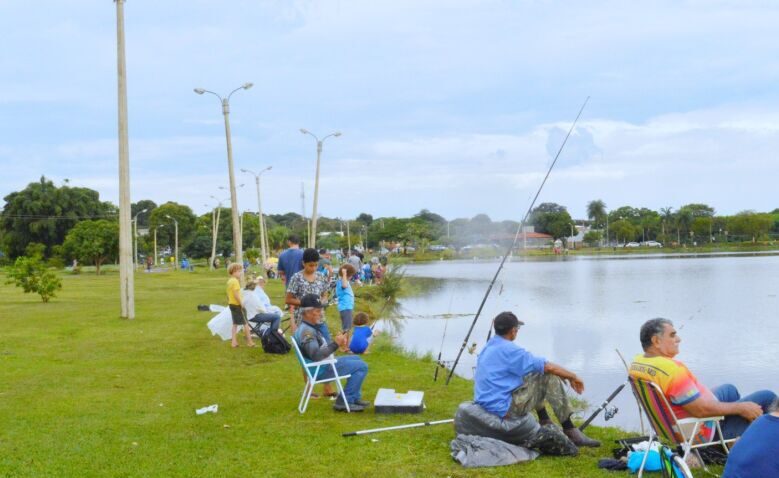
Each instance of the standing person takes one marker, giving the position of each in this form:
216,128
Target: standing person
234,302
367,273
355,261
291,260
306,281
149,263
343,290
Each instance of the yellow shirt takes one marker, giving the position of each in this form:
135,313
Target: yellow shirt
233,290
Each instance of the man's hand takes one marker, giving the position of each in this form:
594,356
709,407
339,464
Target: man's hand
750,410
576,384
340,339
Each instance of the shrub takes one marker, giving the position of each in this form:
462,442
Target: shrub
31,274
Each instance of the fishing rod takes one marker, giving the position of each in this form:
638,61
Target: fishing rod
381,311
511,247
438,363
399,427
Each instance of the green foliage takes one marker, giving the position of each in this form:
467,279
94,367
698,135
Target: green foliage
44,213
93,242
593,237
392,284
186,223
750,224
31,274
35,249
143,217
596,212
552,219
277,237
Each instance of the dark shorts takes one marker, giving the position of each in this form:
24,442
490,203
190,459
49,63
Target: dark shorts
346,319
237,314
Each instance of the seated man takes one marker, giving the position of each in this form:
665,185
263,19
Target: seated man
511,382
754,454
687,396
255,310
315,345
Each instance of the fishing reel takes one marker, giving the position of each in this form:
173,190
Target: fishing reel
609,413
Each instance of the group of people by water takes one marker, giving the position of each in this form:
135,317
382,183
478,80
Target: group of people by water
512,385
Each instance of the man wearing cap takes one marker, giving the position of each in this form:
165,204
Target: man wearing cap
315,345
510,381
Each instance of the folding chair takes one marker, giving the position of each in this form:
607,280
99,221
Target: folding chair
311,370
664,426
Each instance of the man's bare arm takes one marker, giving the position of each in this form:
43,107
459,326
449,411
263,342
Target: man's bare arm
573,379
705,407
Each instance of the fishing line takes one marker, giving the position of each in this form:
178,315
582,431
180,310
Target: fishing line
511,247
438,363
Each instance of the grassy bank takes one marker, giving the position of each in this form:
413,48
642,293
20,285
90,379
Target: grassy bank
84,393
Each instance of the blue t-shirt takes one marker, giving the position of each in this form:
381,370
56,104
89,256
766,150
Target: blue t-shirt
345,296
500,369
290,262
361,337
754,454
367,272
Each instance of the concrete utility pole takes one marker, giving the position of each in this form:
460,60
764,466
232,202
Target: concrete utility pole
259,212
237,246
176,248
312,235
126,274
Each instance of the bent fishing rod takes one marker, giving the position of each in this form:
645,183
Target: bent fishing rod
513,244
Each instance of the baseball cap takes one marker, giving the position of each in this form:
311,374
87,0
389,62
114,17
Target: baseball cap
311,301
505,321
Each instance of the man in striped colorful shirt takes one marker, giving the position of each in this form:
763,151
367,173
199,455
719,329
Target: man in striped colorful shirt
689,397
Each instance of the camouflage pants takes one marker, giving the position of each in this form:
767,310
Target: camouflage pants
537,389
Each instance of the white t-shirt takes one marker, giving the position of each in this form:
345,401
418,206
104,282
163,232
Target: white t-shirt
251,303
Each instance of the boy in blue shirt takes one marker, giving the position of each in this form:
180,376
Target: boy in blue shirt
362,334
345,295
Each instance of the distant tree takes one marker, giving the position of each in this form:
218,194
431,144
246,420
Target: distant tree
698,210
93,242
365,218
667,216
143,217
750,224
31,275
552,219
44,213
593,237
596,212
186,221
277,237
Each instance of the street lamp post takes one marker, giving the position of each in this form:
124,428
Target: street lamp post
135,236
259,211
215,217
155,242
126,274
237,246
176,242
312,235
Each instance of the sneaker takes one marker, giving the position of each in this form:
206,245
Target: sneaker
363,403
339,406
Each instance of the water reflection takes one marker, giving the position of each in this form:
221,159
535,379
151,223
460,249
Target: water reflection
579,310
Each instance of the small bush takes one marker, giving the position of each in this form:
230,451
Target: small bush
31,274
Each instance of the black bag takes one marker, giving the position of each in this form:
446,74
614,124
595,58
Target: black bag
274,343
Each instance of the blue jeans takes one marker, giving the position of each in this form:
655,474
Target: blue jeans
734,425
349,365
274,319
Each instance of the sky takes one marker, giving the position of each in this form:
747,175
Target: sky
456,106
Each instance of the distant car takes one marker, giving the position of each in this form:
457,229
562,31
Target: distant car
437,248
653,244
632,244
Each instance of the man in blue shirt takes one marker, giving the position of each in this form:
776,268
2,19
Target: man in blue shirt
291,260
754,454
510,381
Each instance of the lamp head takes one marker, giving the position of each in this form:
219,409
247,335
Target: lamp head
244,170
337,134
304,131
199,91
145,210
247,85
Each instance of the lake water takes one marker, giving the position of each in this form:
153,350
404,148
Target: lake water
578,310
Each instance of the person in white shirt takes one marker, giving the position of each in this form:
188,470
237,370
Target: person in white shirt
258,306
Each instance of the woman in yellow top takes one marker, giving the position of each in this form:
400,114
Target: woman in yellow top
234,301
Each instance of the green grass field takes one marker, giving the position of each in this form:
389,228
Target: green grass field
84,393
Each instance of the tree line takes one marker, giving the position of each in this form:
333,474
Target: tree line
63,223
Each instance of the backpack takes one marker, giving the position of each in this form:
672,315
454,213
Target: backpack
274,343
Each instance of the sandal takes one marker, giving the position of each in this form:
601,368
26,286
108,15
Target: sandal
332,394
315,396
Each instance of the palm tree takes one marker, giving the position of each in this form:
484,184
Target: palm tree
667,215
596,211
